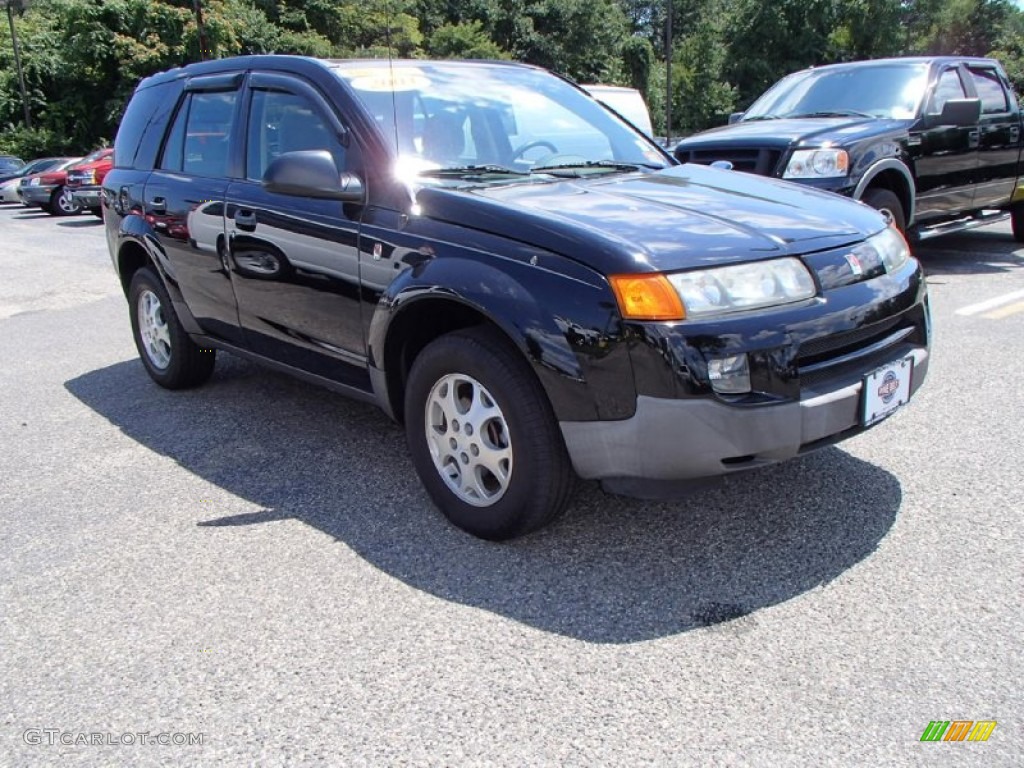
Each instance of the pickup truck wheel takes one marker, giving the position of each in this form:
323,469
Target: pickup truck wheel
63,203
885,201
1017,221
483,438
171,358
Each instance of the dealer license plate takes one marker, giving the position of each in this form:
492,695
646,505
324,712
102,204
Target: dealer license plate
886,389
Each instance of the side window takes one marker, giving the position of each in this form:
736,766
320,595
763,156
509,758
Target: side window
991,91
948,87
199,139
282,122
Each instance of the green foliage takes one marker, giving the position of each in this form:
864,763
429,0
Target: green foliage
83,58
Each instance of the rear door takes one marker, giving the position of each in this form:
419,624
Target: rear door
295,260
999,140
184,199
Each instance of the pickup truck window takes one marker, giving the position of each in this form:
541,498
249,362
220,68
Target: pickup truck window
948,87
884,90
993,96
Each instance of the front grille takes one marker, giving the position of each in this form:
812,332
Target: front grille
748,159
858,350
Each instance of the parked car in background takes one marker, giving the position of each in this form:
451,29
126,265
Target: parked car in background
628,102
48,190
934,142
9,186
9,164
26,169
531,285
85,178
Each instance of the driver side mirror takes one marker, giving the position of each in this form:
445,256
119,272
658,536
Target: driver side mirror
312,173
735,117
961,113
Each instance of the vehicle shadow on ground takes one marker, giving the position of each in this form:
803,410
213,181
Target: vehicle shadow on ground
613,570
977,252
29,215
92,221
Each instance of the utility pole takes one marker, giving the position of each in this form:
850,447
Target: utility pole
17,61
668,72
204,43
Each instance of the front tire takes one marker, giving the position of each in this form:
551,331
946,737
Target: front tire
886,202
171,358
483,437
63,203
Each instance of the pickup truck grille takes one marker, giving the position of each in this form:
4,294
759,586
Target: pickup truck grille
749,159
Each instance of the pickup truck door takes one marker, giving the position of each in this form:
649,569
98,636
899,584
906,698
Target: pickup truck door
999,141
945,156
295,260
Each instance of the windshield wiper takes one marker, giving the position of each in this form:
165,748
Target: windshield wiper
472,170
608,165
833,113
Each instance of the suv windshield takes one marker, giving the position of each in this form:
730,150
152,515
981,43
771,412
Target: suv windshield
493,118
881,90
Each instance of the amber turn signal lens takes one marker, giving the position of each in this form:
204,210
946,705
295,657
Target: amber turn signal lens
647,297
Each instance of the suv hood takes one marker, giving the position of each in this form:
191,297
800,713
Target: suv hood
782,133
677,218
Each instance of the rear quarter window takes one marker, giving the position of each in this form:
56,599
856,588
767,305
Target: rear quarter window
143,125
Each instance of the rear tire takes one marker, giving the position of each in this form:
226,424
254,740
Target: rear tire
171,358
1017,221
483,437
63,203
886,202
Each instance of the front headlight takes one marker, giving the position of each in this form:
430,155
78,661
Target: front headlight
817,164
892,249
757,285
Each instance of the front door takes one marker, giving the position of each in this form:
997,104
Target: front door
295,260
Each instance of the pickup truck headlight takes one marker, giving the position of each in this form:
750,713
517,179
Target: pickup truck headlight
756,285
817,164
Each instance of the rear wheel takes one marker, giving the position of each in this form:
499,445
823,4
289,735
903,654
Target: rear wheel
63,203
483,437
1017,221
171,358
889,204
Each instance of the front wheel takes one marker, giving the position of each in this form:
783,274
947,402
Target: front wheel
887,203
171,358
483,438
63,203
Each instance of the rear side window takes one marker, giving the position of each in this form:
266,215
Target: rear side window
143,125
199,140
991,91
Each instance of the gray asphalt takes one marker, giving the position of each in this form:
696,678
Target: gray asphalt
255,562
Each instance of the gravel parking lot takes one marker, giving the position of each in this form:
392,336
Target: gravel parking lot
252,570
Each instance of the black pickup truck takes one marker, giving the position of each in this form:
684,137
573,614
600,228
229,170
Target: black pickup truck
933,141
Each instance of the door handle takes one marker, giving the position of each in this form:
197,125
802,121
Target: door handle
1014,134
245,220
159,205
973,138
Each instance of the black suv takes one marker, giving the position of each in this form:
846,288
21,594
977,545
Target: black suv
532,286
933,141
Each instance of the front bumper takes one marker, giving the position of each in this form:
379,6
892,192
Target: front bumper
37,195
87,197
688,439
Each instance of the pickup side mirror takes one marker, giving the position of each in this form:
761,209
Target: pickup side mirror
312,173
962,113
735,117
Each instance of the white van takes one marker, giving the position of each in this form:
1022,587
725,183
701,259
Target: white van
628,102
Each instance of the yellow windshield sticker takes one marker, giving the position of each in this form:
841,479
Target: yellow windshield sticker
383,79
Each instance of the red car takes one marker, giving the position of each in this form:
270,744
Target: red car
84,180
48,190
